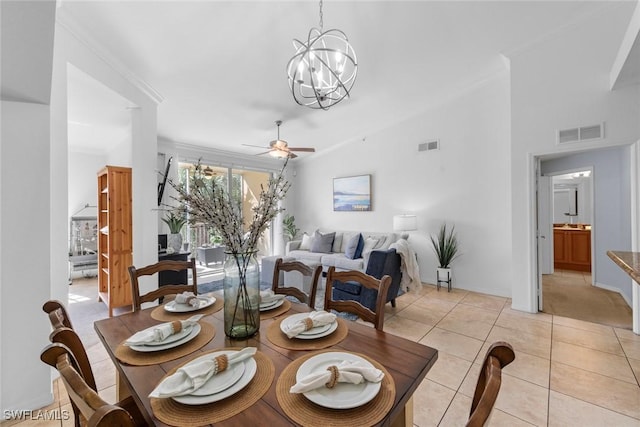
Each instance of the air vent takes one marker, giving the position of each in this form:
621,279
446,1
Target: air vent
585,133
429,145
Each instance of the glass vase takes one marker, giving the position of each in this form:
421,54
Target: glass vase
241,295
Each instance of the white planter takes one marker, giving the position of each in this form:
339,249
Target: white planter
443,275
174,241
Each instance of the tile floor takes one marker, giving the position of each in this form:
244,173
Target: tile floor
567,372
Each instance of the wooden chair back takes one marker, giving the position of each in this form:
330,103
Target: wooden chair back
381,285
499,355
135,273
70,339
96,411
306,271
58,315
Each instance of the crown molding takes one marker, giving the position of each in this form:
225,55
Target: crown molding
69,23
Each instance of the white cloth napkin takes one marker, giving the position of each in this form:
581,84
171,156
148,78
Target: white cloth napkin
348,372
189,378
269,296
319,318
160,332
187,298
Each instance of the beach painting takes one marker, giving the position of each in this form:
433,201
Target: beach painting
352,193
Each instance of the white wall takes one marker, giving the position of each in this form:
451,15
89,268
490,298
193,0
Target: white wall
83,170
561,82
612,209
24,255
465,183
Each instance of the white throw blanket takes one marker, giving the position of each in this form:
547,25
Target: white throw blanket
348,372
409,267
189,378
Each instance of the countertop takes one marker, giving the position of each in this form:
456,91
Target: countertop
628,261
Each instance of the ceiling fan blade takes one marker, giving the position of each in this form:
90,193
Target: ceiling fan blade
291,155
256,146
307,149
266,152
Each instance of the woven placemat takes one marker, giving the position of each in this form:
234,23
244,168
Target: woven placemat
137,358
306,413
286,305
159,313
279,338
176,414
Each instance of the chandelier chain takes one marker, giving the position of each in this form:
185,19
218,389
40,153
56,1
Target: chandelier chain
321,16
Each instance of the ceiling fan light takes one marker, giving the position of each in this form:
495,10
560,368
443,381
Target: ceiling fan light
278,153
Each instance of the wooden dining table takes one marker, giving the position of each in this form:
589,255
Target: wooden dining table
406,361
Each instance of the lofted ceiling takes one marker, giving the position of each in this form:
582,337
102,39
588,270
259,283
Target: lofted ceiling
220,65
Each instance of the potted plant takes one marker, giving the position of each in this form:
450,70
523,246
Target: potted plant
445,245
175,221
290,230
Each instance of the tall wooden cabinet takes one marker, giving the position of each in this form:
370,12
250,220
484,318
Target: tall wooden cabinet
115,236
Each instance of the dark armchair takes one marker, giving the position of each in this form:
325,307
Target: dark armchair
380,263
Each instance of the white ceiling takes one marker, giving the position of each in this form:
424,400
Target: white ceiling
220,66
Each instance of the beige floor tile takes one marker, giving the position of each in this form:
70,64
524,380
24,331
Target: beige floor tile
626,334
109,394
525,366
459,345
593,340
470,312
521,341
581,324
529,325
607,392
436,304
467,327
430,402
449,370
635,367
458,412
468,385
485,301
540,316
523,400
502,419
421,314
456,295
97,353
631,348
104,373
592,360
567,411
406,328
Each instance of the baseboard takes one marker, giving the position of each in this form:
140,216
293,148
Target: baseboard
614,289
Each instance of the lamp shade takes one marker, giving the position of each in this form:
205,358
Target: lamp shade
405,222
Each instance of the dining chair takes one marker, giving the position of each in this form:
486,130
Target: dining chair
306,271
162,291
84,398
381,285
58,315
499,355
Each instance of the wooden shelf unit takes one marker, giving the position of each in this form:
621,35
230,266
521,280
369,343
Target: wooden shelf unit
115,236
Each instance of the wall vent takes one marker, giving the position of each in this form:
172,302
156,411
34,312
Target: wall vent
429,145
584,133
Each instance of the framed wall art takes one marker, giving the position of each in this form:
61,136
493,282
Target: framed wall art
352,193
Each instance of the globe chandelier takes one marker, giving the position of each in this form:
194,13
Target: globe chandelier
323,70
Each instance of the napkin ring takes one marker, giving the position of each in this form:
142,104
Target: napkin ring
334,376
190,301
308,323
222,362
176,326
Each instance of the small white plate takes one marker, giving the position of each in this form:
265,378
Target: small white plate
343,395
171,338
224,379
250,369
275,304
148,348
174,307
312,333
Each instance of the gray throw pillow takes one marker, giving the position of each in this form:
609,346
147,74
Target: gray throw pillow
352,246
322,242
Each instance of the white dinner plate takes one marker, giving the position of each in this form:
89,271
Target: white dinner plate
171,338
271,306
174,307
250,368
224,379
343,395
313,333
148,348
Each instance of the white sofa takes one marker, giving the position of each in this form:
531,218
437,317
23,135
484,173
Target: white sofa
336,257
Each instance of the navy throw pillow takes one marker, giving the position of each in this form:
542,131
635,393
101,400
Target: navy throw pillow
359,249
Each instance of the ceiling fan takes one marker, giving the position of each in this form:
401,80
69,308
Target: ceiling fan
280,148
